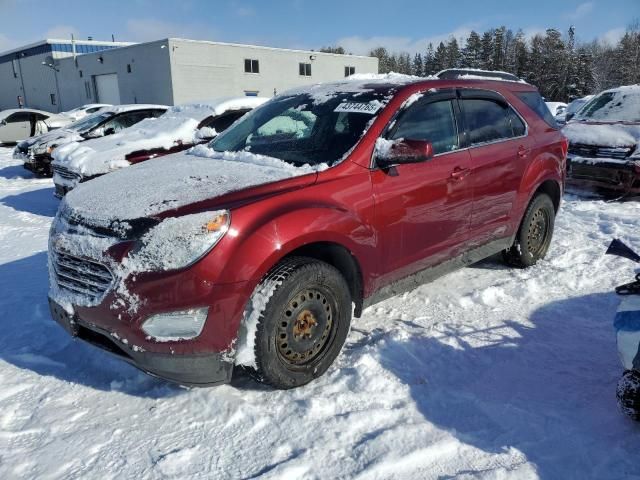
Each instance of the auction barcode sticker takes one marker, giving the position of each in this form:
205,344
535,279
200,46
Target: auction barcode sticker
355,107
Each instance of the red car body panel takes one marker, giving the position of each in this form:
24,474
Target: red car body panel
389,222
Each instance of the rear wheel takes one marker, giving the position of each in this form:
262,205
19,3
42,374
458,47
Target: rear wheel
534,235
628,394
304,323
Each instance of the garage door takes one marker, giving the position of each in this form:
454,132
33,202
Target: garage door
107,89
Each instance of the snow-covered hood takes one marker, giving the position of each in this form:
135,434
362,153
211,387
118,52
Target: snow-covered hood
172,182
603,134
58,137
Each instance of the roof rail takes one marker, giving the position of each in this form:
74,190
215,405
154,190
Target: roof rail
460,73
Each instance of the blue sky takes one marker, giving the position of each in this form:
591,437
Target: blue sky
357,25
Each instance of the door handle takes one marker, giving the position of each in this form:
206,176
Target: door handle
459,173
523,152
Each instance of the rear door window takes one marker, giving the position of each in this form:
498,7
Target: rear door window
224,121
434,122
19,117
486,120
535,102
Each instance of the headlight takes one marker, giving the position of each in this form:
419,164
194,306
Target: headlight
178,242
174,326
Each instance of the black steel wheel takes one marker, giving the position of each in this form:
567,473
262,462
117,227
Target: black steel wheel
304,323
534,235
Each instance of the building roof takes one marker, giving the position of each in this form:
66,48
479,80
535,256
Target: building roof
59,41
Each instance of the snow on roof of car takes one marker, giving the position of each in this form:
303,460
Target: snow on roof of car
174,181
357,83
133,107
216,106
179,124
477,74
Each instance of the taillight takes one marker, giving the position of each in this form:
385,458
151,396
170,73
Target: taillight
565,146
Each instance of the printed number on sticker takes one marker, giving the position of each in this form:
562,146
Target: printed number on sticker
355,107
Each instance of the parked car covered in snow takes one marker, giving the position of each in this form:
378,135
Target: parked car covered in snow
556,108
604,141
573,108
81,112
20,123
257,248
178,129
36,152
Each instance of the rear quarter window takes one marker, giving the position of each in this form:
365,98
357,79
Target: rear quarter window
535,102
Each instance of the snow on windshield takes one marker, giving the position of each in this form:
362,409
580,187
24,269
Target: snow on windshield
618,105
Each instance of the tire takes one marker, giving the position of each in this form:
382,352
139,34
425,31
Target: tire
304,324
534,235
628,394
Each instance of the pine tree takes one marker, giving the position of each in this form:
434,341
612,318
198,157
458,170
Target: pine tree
453,54
382,55
440,58
417,67
472,51
497,53
521,54
429,61
486,51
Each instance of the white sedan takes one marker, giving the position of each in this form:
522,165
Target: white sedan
19,124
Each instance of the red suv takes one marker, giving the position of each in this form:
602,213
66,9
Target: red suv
258,248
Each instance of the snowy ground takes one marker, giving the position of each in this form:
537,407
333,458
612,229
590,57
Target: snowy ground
487,372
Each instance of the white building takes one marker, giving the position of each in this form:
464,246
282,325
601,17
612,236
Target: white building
26,81
173,71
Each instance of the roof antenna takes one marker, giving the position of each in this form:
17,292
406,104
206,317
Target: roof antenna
113,38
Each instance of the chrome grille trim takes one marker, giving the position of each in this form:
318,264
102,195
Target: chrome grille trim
592,151
81,275
66,173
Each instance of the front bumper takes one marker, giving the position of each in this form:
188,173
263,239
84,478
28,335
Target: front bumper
39,164
203,369
603,173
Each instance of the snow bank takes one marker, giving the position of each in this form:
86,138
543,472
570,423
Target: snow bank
178,125
604,135
174,181
425,387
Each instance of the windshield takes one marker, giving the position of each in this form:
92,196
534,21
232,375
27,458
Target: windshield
302,130
614,106
89,122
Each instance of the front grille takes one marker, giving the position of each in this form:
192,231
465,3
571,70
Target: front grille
592,151
65,173
81,276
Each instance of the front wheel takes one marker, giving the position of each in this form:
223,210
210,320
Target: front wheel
534,235
304,324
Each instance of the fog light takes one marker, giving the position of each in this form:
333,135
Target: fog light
173,326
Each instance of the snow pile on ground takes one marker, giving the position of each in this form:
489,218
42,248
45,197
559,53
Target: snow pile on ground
173,181
487,373
603,135
179,125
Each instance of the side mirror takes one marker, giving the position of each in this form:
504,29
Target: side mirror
3,123
397,152
569,116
